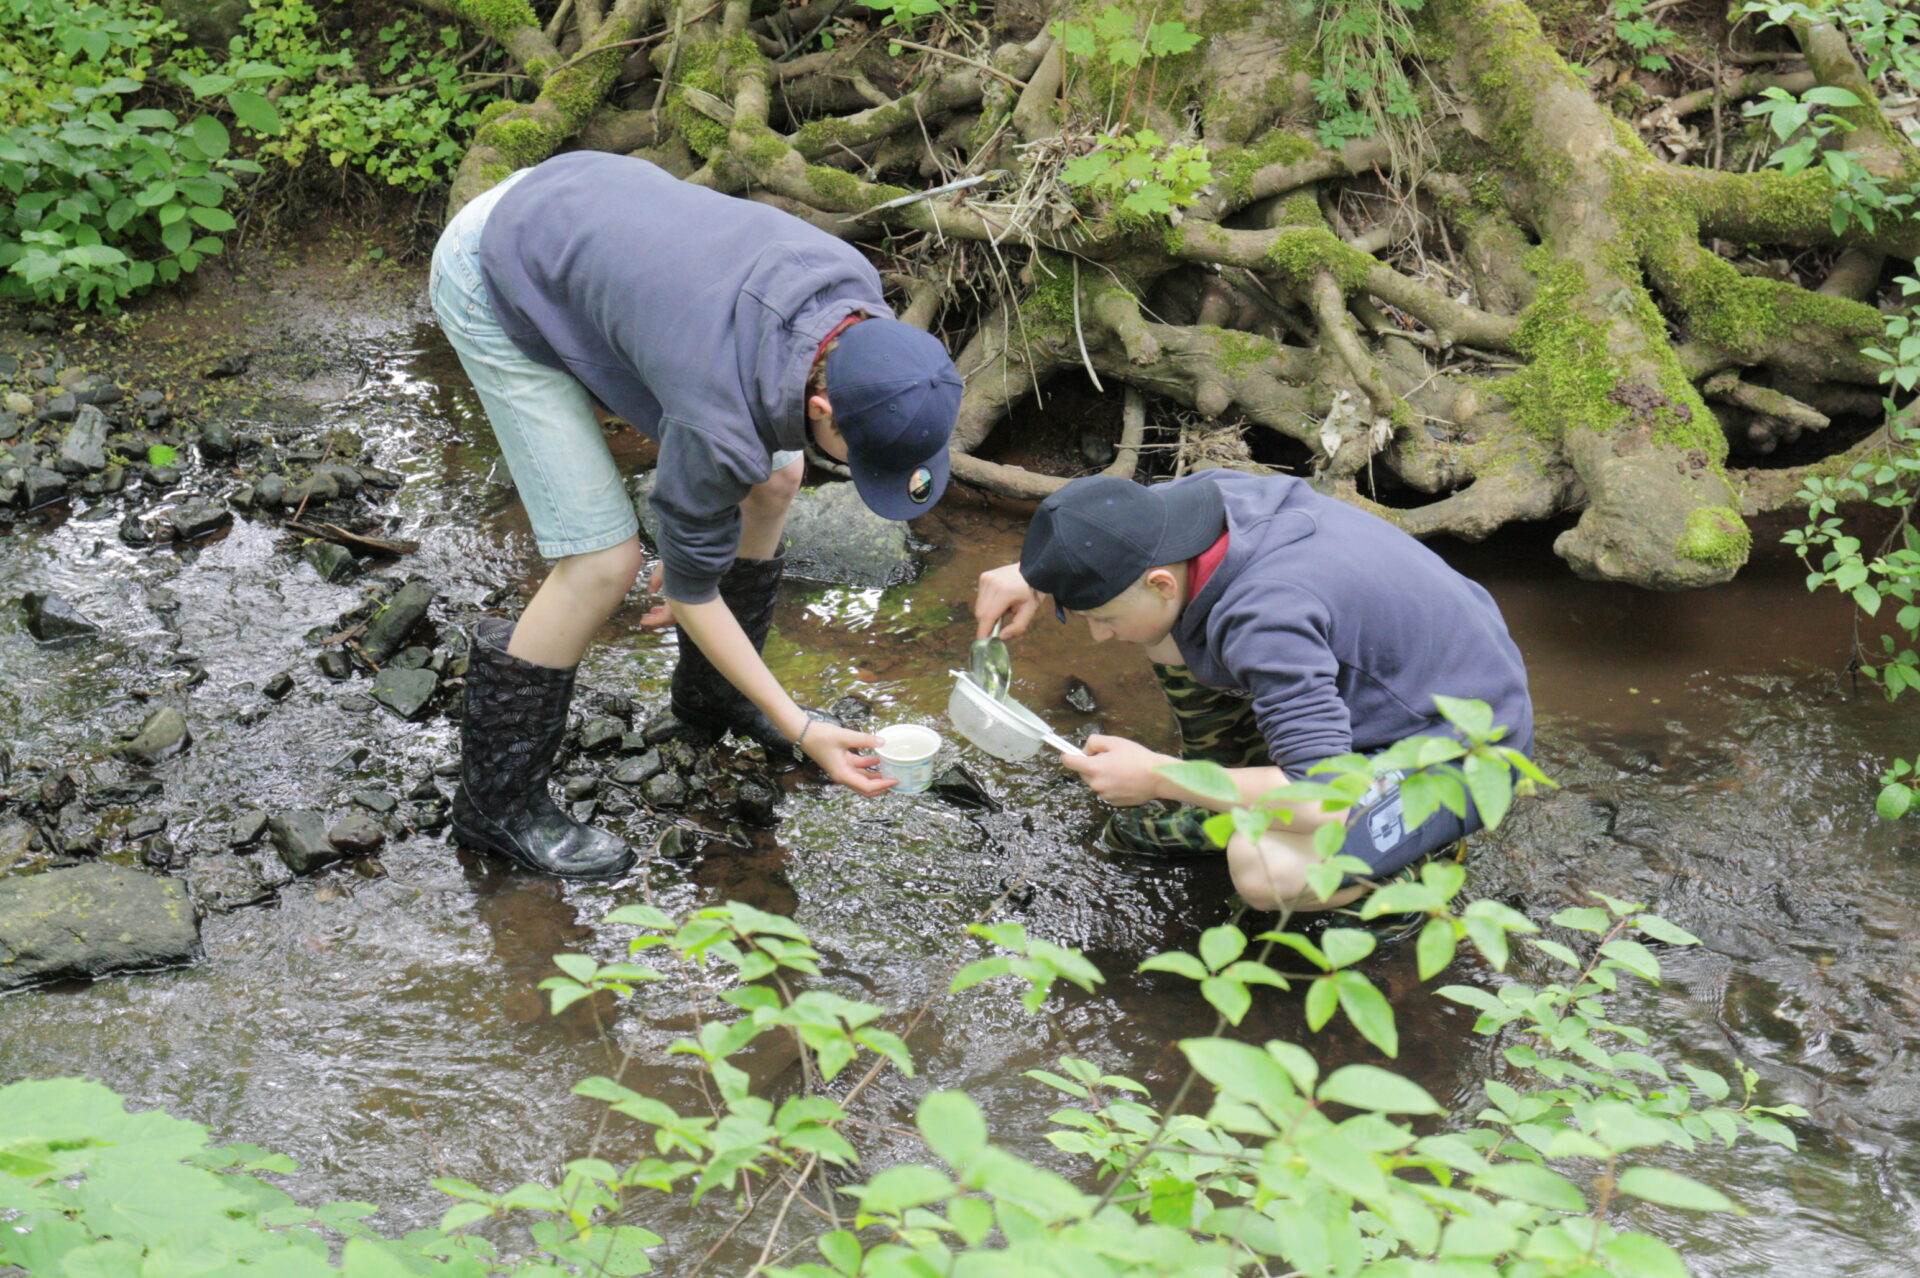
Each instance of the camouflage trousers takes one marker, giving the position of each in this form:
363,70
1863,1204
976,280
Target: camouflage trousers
1219,728
1214,727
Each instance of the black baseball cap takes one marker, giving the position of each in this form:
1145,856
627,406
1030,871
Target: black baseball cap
1095,537
895,397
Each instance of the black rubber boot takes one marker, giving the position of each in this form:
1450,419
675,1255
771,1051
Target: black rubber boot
516,715
703,700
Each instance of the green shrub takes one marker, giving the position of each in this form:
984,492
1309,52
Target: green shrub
107,198
116,184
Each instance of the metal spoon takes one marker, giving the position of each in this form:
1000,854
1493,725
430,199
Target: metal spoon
991,665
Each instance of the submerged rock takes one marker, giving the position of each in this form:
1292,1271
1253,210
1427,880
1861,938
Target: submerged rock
41,486
665,790
224,884
389,629
163,735
641,770
247,829
357,835
198,518
405,692
91,920
332,562
833,537
961,788
1079,696
600,733
300,837
51,619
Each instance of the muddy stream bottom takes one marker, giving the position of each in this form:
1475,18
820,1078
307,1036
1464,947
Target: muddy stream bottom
383,1032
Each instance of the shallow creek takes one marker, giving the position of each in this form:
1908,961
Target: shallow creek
384,1032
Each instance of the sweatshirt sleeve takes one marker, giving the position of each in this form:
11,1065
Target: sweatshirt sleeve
697,492
1280,653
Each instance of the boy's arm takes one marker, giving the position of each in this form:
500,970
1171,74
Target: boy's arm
1125,773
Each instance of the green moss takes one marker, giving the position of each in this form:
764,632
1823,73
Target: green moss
497,18
837,185
1174,240
1507,54
1238,351
1298,253
521,140
1233,170
495,109
1301,209
1715,535
1049,303
1742,314
1570,369
493,174
703,64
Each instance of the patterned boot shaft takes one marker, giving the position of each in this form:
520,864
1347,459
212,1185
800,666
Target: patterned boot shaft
515,717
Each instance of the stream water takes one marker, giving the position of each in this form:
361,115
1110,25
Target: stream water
386,1031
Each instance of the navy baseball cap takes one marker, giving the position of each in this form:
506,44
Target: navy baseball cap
895,396
1095,537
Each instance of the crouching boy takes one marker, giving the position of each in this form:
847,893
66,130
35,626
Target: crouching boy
1285,627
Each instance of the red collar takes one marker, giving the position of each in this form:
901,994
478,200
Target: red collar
838,329
1202,566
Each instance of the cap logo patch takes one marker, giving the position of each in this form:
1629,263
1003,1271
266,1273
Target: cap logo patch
920,486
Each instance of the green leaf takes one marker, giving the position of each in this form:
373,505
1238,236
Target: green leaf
1670,1189
210,136
213,219
1661,930
841,1249
1529,1183
1894,801
1179,962
1345,946
898,1188
1475,718
1368,1009
1830,95
951,1124
1229,998
1490,781
1221,945
1435,949
1586,919
1635,957
1372,1088
256,112
1638,1256
1207,780
1241,1071
1323,999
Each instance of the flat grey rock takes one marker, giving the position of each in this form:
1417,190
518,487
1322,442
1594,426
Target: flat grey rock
91,920
300,836
405,692
198,518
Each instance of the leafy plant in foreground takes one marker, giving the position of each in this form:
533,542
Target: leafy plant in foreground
1263,1162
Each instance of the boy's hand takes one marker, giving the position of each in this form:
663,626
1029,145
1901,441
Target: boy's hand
661,614
1118,770
1004,593
833,747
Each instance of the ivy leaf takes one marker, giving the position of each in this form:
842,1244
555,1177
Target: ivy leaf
1368,1009
1221,945
1435,949
256,112
952,1126
1179,962
1229,998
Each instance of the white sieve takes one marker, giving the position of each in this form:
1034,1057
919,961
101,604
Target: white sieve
1003,728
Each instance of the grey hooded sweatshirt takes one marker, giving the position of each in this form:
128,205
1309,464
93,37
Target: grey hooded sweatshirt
693,315
1340,627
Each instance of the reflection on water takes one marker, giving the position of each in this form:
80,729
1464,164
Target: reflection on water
384,1032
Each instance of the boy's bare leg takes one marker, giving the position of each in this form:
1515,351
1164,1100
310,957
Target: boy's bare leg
1272,874
573,603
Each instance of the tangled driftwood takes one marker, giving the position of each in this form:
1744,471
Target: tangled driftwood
1530,312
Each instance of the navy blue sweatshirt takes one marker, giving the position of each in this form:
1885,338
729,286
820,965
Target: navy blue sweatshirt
1341,627
693,315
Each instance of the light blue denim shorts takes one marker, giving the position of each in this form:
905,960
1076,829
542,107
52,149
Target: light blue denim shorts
543,418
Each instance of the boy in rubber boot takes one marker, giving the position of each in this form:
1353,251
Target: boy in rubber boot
1286,628
730,333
